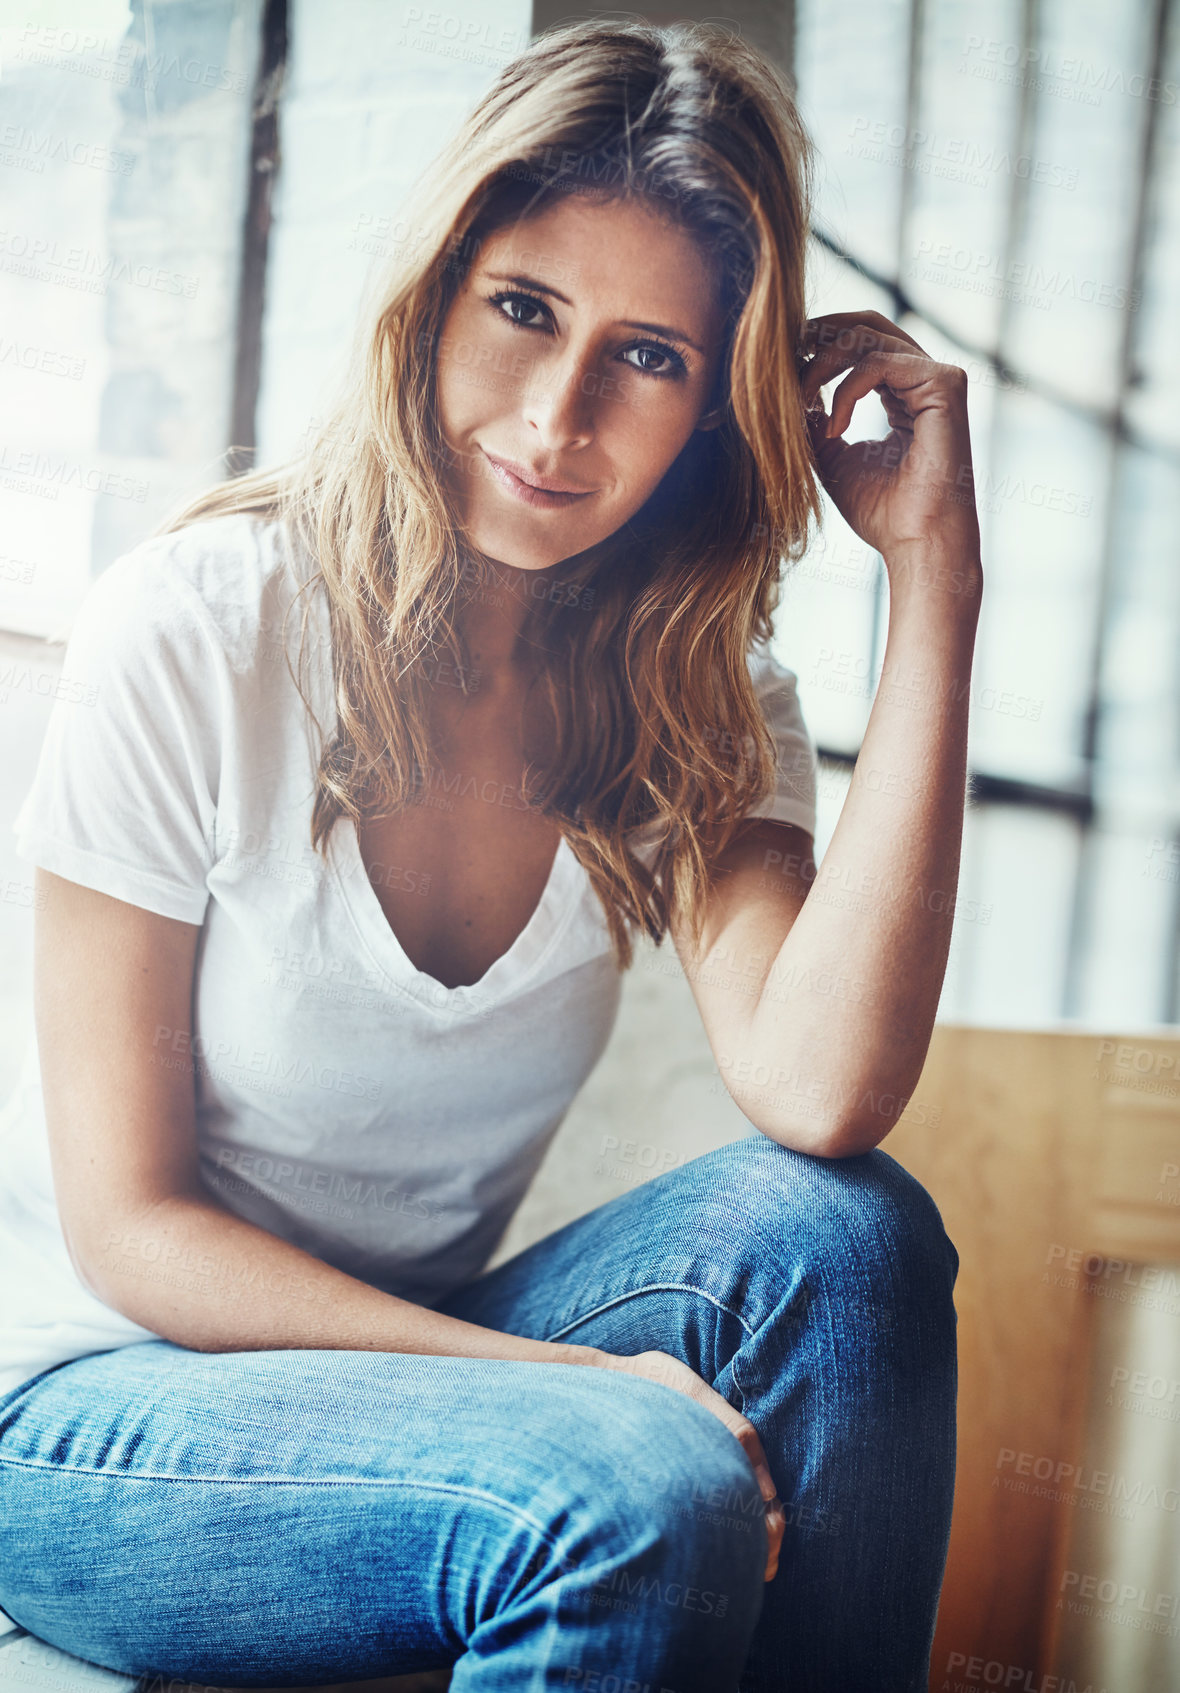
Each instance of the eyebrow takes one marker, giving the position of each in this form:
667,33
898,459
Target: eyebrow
544,288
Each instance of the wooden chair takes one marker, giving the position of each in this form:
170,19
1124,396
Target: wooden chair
1054,1157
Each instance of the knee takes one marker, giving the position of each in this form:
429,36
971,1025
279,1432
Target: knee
894,1208
889,1208
865,1215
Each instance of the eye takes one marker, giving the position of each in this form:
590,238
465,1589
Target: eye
529,300
513,297
676,364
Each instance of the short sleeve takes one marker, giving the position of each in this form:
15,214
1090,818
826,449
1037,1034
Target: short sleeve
124,796
793,798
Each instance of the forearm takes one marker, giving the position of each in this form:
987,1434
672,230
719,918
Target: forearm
849,1003
195,1274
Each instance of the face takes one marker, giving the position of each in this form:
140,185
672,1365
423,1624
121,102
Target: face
580,352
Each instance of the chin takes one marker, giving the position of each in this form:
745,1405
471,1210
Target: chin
523,552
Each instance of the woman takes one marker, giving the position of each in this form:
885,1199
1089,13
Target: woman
309,1006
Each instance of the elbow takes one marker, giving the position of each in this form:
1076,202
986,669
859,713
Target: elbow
80,1262
852,1139
844,1127
104,1262
100,1277
848,1138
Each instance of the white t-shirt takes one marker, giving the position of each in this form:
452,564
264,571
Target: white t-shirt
345,1100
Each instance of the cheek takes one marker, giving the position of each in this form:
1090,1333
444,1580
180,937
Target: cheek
466,351
648,429
458,395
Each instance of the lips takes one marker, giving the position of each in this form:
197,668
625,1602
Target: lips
516,479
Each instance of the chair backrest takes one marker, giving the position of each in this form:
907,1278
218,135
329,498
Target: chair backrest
1054,1157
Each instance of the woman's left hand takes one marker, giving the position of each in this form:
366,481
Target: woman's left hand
913,492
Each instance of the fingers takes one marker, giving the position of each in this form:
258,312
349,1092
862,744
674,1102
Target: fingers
751,1444
896,371
670,1371
882,364
776,1525
857,348
748,1435
837,340
776,1520
826,329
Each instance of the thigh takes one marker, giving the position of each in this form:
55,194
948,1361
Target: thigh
290,1517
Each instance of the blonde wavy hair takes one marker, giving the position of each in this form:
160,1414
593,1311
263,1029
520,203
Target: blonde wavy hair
646,648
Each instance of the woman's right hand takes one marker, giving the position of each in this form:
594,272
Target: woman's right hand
662,1367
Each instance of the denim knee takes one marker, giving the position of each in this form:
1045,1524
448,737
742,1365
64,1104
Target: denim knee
869,1204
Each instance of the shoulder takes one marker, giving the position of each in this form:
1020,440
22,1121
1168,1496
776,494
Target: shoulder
222,582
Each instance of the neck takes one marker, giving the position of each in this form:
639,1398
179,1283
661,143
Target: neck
492,619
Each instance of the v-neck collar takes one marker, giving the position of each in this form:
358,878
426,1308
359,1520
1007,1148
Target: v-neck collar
545,930
532,946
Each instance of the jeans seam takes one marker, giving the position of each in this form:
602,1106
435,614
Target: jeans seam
652,1287
788,1298
292,1481
736,1379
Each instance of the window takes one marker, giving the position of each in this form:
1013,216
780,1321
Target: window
996,180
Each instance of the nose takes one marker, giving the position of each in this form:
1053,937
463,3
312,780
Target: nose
559,402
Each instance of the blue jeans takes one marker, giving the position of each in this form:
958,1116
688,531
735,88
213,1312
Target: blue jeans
273,1518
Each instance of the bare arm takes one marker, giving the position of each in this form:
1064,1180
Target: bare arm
818,990
897,842
144,1233
822,988
848,1006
